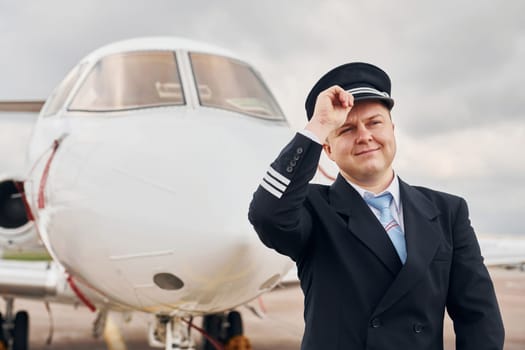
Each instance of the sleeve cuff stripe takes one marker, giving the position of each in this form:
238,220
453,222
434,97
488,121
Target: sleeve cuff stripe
272,185
270,189
278,176
274,182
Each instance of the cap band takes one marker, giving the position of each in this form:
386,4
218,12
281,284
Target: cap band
364,80
367,90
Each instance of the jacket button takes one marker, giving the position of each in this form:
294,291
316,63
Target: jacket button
299,150
375,323
418,327
296,157
289,169
293,163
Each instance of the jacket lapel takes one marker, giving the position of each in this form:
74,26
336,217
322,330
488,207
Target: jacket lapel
363,224
423,237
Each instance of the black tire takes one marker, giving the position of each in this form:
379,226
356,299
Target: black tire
3,339
235,324
21,331
212,324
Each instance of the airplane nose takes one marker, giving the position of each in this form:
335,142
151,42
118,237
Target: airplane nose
163,164
157,194
166,173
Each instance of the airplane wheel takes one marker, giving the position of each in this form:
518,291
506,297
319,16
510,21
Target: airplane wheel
235,324
236,340
3,340
212,324
21,331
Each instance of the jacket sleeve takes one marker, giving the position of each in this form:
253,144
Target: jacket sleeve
471,301
277,211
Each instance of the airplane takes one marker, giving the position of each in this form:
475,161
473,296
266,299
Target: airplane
140,169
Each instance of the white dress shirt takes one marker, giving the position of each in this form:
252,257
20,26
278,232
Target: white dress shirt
396,207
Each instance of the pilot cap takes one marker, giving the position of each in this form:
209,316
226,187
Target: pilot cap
363,80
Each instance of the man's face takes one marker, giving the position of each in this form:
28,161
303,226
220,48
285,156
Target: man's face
364,147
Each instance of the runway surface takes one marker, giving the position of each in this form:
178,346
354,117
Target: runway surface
281,328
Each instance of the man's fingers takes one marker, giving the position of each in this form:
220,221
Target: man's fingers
333,99
331,109
344,98
350,99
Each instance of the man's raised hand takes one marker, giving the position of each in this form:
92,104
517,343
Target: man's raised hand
330,112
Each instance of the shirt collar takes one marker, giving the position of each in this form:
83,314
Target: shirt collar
393,188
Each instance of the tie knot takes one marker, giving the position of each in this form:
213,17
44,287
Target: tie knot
381,202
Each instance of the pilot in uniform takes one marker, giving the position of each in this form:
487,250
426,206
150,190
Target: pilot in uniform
378,260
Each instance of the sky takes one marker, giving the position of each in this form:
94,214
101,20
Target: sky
456,69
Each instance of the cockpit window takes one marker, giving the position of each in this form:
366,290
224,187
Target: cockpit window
131,80
59,95
229,84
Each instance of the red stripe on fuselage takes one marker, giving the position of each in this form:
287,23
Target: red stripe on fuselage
45,174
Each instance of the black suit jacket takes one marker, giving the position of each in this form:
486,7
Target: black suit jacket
358,295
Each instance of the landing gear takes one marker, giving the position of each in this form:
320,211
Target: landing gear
213,325
21,331
234,324
100,323
14,328
171,333
227,329
223,331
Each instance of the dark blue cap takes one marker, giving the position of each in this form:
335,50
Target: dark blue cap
363,80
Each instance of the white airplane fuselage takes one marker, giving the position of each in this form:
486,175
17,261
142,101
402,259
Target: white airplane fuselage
149,206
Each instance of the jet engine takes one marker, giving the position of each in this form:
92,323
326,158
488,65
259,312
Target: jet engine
16,229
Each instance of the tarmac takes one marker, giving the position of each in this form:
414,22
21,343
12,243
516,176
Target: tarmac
280,328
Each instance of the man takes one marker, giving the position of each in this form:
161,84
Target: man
378,260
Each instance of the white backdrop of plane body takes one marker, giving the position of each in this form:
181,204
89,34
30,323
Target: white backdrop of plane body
141,167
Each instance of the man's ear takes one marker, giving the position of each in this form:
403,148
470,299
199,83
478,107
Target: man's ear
328,150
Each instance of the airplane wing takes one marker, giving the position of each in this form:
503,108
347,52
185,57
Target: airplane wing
34,280
45,280
21,106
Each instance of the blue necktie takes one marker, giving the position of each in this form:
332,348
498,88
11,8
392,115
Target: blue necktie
382,203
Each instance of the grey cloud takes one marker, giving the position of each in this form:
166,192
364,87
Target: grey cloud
456,66
494,205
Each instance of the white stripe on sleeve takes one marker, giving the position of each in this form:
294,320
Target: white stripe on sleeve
270,189
275,183
278,176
